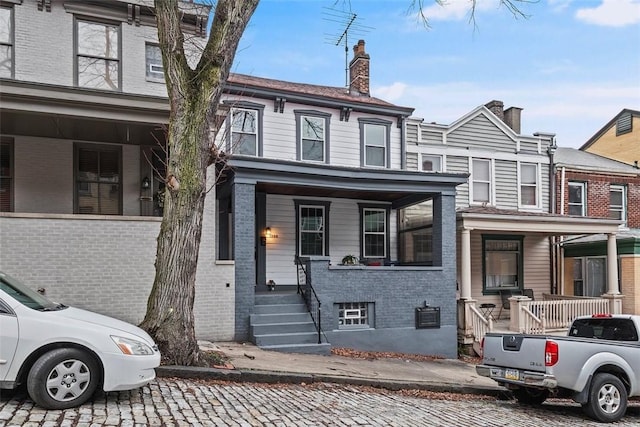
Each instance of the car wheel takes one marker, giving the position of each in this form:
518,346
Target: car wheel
63,378
607,398
531,396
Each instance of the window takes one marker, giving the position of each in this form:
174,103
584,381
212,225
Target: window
431,163
98,60
312,224
618,202
577,199
415,234
374,232
481,181
6,175
528,184
153,65
374,142
502,262
590,276
312,131
244,131
624,124
98,179
224,227
354,315
6,42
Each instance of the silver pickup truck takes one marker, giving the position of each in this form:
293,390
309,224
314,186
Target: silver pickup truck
597,364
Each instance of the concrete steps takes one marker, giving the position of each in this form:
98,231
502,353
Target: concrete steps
281,322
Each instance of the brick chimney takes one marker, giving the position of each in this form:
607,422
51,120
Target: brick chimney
512,118
359,71
497,108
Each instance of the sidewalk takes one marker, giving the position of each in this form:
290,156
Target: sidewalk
252,364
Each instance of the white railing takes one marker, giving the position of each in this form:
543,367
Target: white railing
537,317
479,325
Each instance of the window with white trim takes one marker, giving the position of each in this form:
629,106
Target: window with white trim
244,131
577,199
354,315
153,63
6,42
529,184
431,163
374,233
481,181
618,202
97,55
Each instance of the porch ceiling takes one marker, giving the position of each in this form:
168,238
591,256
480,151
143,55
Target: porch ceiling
492,219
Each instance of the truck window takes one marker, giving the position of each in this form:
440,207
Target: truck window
605,329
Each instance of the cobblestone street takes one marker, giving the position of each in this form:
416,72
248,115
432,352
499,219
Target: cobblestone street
178,402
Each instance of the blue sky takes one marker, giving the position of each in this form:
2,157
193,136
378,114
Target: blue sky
572,65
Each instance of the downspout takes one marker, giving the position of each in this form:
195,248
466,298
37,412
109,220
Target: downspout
552,209
403,142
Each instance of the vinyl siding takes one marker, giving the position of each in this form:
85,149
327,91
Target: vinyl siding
506,185
456,164
431,137
481,133
412,161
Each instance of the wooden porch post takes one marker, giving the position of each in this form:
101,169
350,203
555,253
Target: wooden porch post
612,266
465,264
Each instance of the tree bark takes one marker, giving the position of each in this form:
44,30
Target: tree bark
194,96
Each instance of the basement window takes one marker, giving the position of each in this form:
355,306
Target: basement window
354,315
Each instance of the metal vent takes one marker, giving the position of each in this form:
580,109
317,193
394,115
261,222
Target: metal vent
427,317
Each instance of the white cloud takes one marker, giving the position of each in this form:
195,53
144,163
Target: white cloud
574,112
457,10
611,13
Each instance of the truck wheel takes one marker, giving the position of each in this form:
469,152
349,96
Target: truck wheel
531,396
607,398
63,378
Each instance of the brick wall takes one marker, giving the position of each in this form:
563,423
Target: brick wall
597,188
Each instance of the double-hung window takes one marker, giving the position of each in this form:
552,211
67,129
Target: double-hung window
618,202
312,224
98,173
374,138
244,131
97,55
529,185
481,188
577,199
6,42
431,163
6,175
374,232
415,234
312,131
153,63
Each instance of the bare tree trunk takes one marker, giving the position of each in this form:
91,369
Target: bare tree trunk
194,96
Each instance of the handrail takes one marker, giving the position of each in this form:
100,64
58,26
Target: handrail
530,323
307,296
479,324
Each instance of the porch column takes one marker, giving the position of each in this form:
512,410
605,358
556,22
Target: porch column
465,263
244,246
612,266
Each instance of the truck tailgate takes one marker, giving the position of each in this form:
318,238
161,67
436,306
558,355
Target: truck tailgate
515,351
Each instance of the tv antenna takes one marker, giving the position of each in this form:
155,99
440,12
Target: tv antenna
348,23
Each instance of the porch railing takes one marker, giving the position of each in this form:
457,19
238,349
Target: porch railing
306,290
479,325
537,317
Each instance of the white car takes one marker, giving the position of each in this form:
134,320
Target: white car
64,354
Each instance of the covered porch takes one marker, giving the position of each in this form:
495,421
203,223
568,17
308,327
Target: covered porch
514,253
279,211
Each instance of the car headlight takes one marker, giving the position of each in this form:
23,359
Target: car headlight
129,346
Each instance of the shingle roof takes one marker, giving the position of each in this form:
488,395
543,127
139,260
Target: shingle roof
305,89
578,159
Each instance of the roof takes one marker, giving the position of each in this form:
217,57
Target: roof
623,234
582,160
243,81
597,135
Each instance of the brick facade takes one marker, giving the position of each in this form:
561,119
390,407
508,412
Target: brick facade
597,192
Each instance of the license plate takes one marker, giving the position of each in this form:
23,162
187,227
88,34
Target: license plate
511,374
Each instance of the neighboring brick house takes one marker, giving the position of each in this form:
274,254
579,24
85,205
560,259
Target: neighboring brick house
505,221
595,186
315,172
619,139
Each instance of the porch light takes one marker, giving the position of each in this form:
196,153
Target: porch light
267,233
146,183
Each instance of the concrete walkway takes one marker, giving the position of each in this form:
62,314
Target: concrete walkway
252,364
